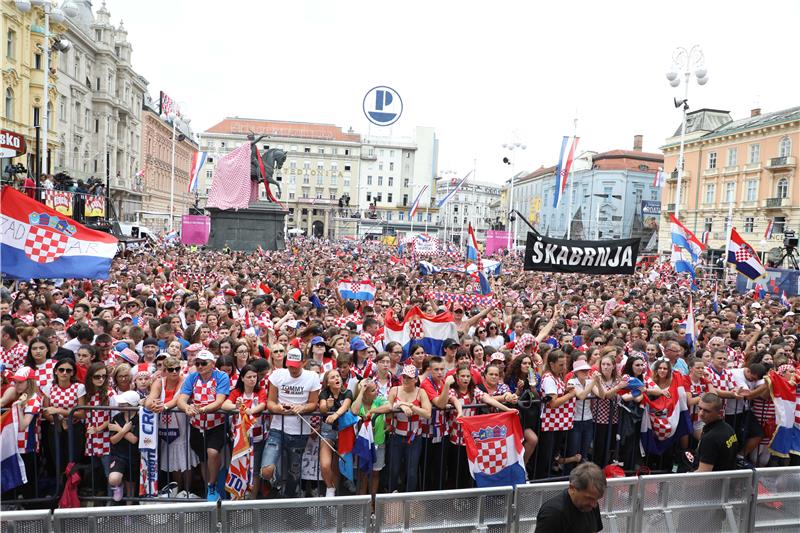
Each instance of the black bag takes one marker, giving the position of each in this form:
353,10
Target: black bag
630,417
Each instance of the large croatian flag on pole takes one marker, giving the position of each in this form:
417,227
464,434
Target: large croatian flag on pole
357,290
39,242
198,160
494,448
559,167
744,258
417,327
685,239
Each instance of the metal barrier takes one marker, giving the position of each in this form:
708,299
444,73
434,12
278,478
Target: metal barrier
707,502
776,502
482,510
25,522
617,509
334,515
199,517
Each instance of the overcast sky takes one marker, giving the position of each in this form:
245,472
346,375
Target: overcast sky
481,73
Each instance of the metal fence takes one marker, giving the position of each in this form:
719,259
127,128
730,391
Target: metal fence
713,502
341,514
483,510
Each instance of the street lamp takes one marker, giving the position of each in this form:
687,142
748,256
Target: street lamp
60,45
511,147
683,63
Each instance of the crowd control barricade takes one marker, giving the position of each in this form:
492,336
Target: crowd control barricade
529,499
195,517
454,511
706,501
334,515
776,500
26,521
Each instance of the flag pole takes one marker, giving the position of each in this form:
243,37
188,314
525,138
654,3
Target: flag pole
571,181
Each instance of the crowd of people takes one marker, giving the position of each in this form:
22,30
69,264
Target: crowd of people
202,337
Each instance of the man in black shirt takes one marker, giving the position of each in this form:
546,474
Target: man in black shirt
576,509
718,442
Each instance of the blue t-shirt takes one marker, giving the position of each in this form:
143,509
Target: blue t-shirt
681,366
223,383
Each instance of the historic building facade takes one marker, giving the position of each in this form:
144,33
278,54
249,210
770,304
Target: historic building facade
322,167
746,168
156,176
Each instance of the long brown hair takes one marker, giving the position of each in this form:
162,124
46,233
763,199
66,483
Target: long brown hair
459,368
91,388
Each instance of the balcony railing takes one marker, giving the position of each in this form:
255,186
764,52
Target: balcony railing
775,202
674,175
368,156
670,208
777,163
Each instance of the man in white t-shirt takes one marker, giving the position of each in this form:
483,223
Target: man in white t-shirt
292,393
749,381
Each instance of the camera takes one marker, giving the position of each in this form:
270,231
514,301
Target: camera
790,239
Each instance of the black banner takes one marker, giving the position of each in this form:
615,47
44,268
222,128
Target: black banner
589,257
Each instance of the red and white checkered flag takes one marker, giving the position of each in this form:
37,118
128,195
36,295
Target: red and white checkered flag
232,187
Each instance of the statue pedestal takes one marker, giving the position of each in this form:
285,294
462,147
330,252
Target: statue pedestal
261,224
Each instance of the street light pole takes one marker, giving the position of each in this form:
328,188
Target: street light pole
172,178
683,62
512,230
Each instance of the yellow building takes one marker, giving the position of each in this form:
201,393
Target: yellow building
22,66
747,167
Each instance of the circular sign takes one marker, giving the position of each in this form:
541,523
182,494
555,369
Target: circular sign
382,105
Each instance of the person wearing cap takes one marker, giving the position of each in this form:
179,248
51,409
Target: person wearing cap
362,365
450,346
409,405
124,462
206,389
293,392
149,350
579,440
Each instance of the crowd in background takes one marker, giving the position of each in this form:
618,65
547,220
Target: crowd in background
204,337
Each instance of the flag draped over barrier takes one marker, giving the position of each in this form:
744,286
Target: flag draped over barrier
494,448
12,469
239,480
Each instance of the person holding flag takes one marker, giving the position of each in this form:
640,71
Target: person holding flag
744,258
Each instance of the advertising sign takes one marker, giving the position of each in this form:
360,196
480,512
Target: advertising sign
195,229
496,240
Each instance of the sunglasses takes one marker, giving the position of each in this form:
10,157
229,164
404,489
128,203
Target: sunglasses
492,327
201,363
100,376
481,331
64,370
172,369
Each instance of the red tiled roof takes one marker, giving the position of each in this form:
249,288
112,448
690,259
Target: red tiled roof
278,128
631,154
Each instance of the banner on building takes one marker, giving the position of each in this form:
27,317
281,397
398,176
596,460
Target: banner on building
651,213
495,240
545,254
651,208
195,229
61,201
95,206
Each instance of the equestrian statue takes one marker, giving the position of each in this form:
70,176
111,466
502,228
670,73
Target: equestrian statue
263,165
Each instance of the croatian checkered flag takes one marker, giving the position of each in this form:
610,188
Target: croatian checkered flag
494,448
232,187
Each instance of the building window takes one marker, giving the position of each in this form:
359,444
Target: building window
209,174
346,152
346,183
731,157
307,150
305,179
755,153
405,182
293,148
749,222
11,41
785,147
391,181
9,104
429,217
380,181
389,197
389,216
730,192
380,166
712,160
293,165
369,196
780,225
379,197
783,188
707,223
62,108
751,190
405,200
320,166
711,193
36,116
401,216
320,150
419,218
319,179
654,195
97,125
307,165
37,61
369,180
391,166
333,179
347,168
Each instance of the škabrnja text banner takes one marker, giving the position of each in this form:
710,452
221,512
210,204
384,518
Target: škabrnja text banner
545,254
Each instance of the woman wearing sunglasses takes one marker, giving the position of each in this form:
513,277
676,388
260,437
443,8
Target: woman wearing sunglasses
59,398
98,437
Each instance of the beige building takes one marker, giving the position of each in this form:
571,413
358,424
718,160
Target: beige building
157,169
322,165
747,166
22,66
